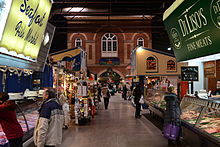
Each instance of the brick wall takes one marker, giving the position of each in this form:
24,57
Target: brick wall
92,45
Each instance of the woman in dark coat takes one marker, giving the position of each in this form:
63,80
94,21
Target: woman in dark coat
125,92
172,113
137,96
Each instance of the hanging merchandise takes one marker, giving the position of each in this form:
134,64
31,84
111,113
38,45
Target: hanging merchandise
84,104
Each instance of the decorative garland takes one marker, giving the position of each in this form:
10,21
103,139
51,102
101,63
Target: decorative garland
16,71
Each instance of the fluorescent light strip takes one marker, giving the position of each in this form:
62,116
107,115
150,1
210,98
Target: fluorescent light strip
14,54
206,58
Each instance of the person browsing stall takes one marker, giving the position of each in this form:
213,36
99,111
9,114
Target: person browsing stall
9,122
137,96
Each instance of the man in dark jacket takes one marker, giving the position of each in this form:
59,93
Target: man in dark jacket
9,122
137,96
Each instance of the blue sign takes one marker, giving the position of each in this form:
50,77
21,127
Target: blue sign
109,61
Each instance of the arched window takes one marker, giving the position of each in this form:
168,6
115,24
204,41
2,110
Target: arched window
109,45
171,65
151,64
78,42
140,42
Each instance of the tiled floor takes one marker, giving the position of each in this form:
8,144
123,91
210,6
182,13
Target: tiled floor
115,127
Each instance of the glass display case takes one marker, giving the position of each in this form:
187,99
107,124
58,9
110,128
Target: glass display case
155,98
202,116
27,116
210,122
191,110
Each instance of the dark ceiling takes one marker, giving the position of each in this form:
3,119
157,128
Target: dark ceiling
89,15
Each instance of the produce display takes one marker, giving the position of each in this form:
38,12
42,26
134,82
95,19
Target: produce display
31,120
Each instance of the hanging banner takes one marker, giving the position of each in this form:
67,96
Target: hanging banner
76,64
25,25
193,28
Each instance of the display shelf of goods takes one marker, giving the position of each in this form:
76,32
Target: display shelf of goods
190,112
29,109
210,122
204,117
82,109
156,98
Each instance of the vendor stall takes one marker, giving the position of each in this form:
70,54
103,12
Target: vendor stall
195,40
151,66
24,46
71,79
158,71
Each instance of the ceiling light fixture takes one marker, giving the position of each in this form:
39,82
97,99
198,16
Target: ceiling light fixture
74,9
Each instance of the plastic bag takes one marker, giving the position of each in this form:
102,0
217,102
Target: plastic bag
141,101
171,131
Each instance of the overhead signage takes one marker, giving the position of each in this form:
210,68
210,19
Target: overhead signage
4,11
109,61
41,59
193,28
25,26
189,73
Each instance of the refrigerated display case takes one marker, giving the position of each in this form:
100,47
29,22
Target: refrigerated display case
27,116
155,100
201,121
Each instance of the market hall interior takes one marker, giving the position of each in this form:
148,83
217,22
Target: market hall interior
115,127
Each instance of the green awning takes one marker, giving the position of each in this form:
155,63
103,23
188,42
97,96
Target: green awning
171,8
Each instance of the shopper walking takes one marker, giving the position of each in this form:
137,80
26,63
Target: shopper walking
99,93
137,96
106,96
125,92
9,122
172,113
48,130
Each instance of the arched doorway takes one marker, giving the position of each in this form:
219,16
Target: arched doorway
110,76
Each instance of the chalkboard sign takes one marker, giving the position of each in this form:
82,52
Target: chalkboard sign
189,73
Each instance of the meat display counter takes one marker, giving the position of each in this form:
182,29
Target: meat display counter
155,100
201,121
27,116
